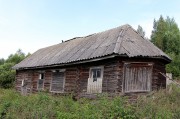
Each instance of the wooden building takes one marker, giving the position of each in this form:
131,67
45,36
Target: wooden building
116,61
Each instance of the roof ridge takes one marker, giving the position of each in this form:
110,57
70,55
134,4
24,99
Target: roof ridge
120,38
122,27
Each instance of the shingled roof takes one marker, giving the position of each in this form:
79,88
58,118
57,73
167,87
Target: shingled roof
120,41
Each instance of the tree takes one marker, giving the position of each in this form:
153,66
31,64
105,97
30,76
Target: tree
2,61
7,74
141,31
174,66
166,36
17,57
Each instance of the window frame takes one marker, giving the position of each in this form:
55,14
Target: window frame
95,68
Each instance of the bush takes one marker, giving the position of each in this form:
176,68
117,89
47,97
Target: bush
163,104
7,75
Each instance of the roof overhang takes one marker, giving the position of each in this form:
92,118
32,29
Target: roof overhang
69,63
167,60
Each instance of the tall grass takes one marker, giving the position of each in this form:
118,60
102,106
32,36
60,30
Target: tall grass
164,104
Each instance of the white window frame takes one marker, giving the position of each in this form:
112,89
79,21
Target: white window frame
59,70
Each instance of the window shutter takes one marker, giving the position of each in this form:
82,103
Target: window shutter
57,84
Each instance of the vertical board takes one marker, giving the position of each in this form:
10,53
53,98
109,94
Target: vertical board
137,77
94,87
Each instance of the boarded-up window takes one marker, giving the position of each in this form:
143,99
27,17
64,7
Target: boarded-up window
57,84
137,77
41,81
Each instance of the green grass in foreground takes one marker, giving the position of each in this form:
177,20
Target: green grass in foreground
164,104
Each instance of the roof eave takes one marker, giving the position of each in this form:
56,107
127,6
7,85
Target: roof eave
68,64
167,60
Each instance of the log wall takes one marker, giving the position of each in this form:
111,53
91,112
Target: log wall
76,77
158,81
27,76
71,76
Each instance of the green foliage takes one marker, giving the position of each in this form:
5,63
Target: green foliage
166,36
42,105
2,61
16,58
7,74
163,104
174,66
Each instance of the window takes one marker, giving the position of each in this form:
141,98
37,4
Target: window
41,81
96,73
58,80
137,77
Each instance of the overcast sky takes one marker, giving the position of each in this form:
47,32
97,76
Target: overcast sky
33,24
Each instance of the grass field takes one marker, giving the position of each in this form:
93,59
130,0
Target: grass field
164,104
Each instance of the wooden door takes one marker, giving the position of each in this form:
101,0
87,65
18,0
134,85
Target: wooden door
95,80
137,77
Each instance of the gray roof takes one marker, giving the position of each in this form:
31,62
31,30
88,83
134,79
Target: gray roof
123,40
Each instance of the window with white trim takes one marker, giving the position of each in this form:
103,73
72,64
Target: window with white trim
95,74
40,85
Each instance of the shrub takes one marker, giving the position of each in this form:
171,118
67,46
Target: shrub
163,104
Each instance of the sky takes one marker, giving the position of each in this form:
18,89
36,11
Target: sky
33,24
